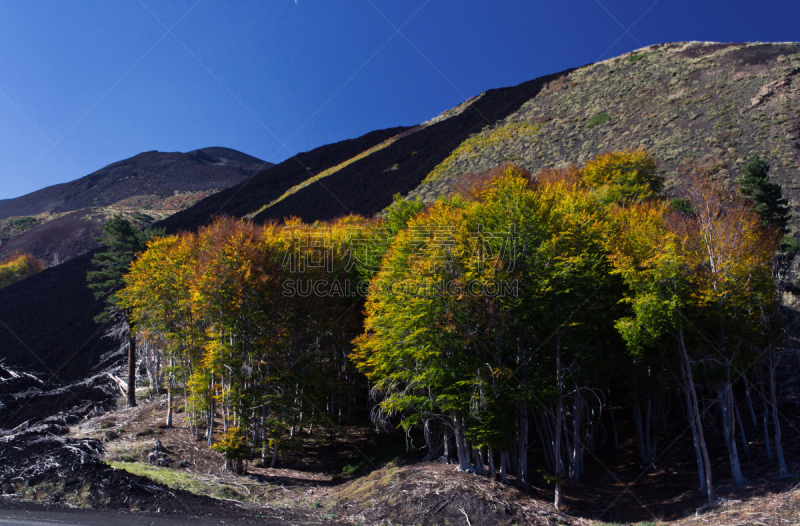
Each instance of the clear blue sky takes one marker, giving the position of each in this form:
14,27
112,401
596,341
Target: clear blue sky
105,80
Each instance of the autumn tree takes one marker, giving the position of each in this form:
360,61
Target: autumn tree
623,177
19,266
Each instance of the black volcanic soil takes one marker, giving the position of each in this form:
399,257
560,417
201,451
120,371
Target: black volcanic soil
150,173
47,326
366,187
68,236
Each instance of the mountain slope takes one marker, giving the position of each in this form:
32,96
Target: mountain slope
714,103
156,174
61,222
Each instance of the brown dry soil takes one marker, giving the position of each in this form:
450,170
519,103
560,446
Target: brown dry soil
389,486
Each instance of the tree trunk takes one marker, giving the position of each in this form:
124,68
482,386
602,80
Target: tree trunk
729,430
738,415
491,463
504,466
773,364
765,414
131,369
464,462
430,439
558,418
637,418
703,461
169,408
614,427
543,429
210,425
446,441
575,460
750,401
274,458
522,462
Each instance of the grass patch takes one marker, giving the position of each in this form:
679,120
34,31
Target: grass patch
639,56
189,482
598,120
478,144
326,173
24,223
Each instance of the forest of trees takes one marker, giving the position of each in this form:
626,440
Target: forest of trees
519,310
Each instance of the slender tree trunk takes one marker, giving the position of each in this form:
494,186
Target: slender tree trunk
558,417
738,415
504,467
491,463
704,463
169,396
773,364
543,429
750,401
522,462
637,418
614,427
131,369
430,439
648,443
576,438
765,415
274,458
169,407
729,430
464,462
210,428
446,442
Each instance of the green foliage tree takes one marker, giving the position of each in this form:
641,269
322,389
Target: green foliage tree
755,186
772,207
123,241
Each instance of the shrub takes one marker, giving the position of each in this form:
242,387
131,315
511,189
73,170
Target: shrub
598,120
638,57
233,445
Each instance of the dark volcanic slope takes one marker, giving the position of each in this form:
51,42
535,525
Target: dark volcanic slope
68,236
46,323
252,194
149,173
367,186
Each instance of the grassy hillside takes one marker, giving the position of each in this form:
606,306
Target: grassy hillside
716,104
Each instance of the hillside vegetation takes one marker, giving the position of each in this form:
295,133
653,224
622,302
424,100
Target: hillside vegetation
716,104
521,303
560,286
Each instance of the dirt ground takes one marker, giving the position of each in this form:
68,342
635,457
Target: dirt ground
364,477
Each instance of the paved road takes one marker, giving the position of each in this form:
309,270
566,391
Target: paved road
23,514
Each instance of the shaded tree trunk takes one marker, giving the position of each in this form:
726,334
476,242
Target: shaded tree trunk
729,430
464,461
131,370
773,364
693,410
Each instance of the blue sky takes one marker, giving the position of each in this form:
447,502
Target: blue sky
90,82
